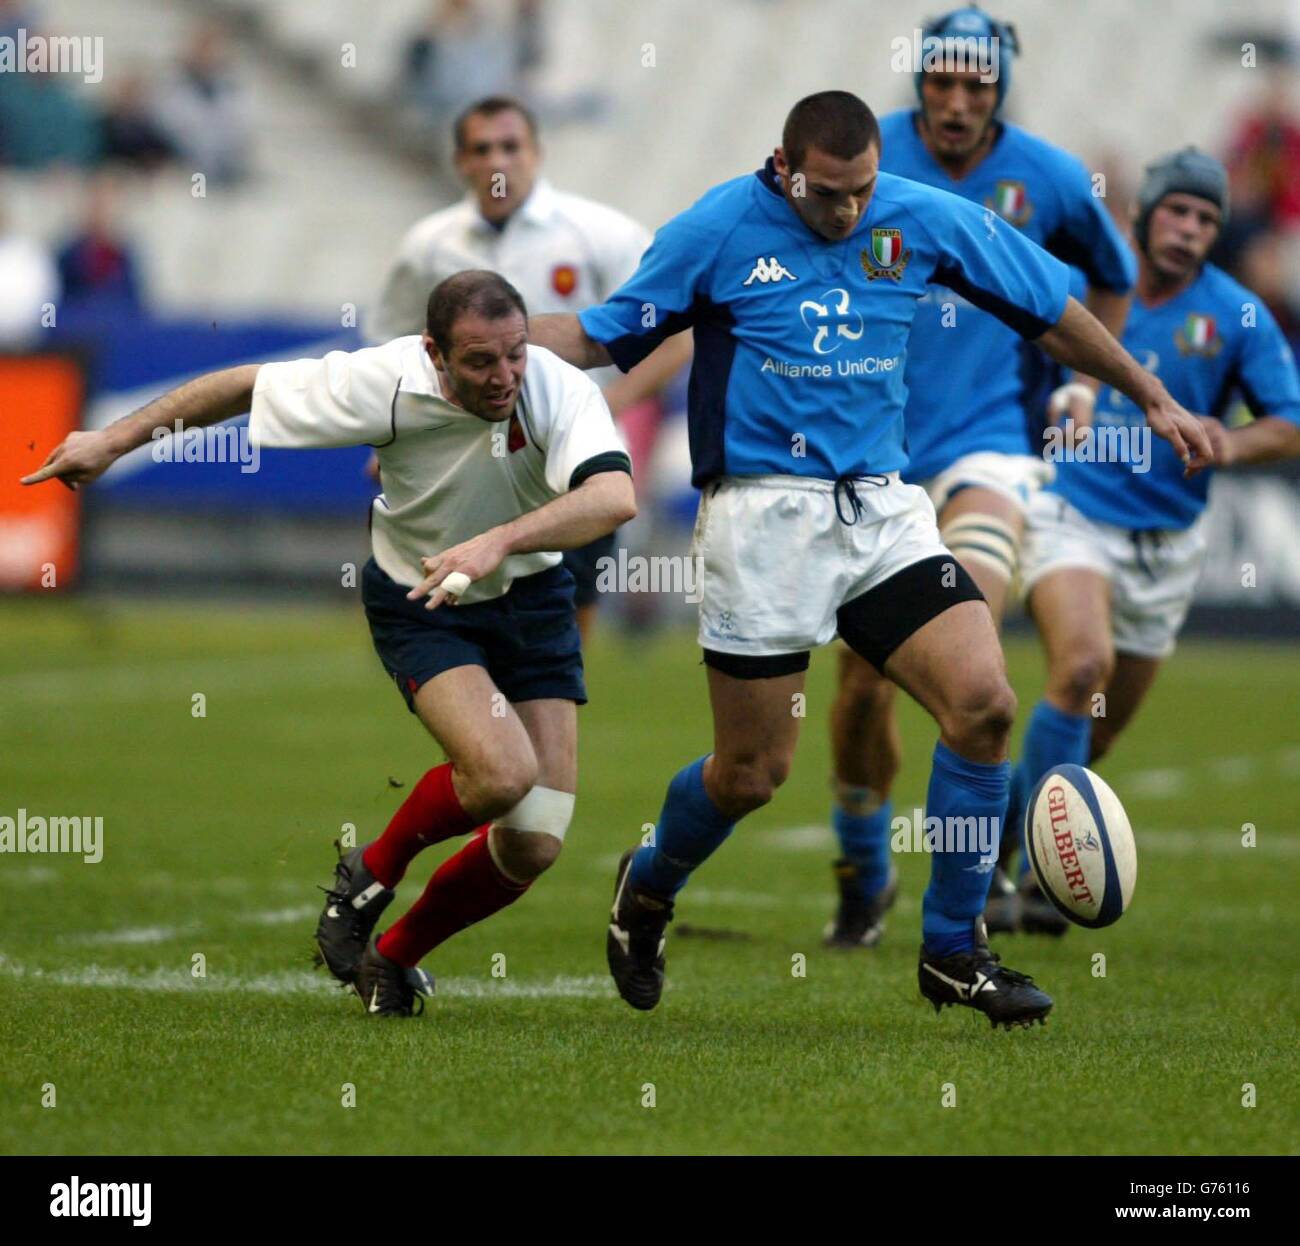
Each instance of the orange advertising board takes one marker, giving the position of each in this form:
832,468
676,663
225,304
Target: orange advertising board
40,404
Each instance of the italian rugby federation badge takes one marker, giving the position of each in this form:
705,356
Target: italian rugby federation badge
886,258
1011,202
1199,335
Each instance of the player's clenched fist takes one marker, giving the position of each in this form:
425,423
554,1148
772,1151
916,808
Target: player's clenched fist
1182,430
78,459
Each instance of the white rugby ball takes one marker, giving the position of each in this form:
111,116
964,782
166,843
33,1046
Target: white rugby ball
1080,846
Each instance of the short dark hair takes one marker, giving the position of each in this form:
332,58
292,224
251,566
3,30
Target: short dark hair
836,122
473,292
489,107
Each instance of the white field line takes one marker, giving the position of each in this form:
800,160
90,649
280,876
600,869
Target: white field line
24,875
132,936
1218,843
230,676
1208,841
1165,782
165,934
818,838
297,982
279,917
159,881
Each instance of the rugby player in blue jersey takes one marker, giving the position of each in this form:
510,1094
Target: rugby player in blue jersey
801,283
970,381
1114,546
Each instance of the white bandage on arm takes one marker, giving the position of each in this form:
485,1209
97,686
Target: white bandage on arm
1063,394
984,539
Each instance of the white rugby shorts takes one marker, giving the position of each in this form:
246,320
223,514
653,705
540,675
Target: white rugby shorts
1152,574
778,561
1017,477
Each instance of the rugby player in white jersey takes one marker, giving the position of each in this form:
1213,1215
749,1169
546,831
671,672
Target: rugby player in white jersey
563,252
495,454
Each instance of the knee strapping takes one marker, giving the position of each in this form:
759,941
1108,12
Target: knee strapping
985,539
543,812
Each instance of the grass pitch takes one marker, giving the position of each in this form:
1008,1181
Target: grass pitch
218,828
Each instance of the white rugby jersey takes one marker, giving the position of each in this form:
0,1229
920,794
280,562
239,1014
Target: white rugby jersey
562,252
448,475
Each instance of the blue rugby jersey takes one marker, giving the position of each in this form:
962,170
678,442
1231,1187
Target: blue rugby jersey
1199,347
800,342
969,376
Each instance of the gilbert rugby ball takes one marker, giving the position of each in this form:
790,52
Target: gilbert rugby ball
1080,846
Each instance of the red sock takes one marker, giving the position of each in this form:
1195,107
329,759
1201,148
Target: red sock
430,814
466,888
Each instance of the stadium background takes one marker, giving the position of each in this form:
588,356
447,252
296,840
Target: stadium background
283,252
202,576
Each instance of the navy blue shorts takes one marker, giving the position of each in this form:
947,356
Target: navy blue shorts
527,640
582,564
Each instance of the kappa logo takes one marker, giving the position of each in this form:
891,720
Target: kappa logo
835,313
767,271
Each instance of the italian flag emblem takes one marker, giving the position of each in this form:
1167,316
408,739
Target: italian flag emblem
1010,202
886,246
1199,331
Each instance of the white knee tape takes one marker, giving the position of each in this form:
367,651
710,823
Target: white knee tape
543,811
991,542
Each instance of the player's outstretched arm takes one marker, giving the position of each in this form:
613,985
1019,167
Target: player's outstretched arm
596,507
1073,405
1264,440
207,399
1080,341
562,334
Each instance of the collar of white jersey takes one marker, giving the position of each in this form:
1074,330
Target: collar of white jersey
419,376
537,209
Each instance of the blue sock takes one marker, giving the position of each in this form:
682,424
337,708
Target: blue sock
864,840
959,880
1052,738
689,829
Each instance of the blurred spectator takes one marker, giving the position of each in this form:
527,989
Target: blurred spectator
96,266
44,121
1262,267
204,113
1264,166
29,280
1264,158
464,54
13,17
132,133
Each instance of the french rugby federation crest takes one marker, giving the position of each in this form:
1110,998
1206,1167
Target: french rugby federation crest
886,258
564,279
1011,202
1199,335
516,440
